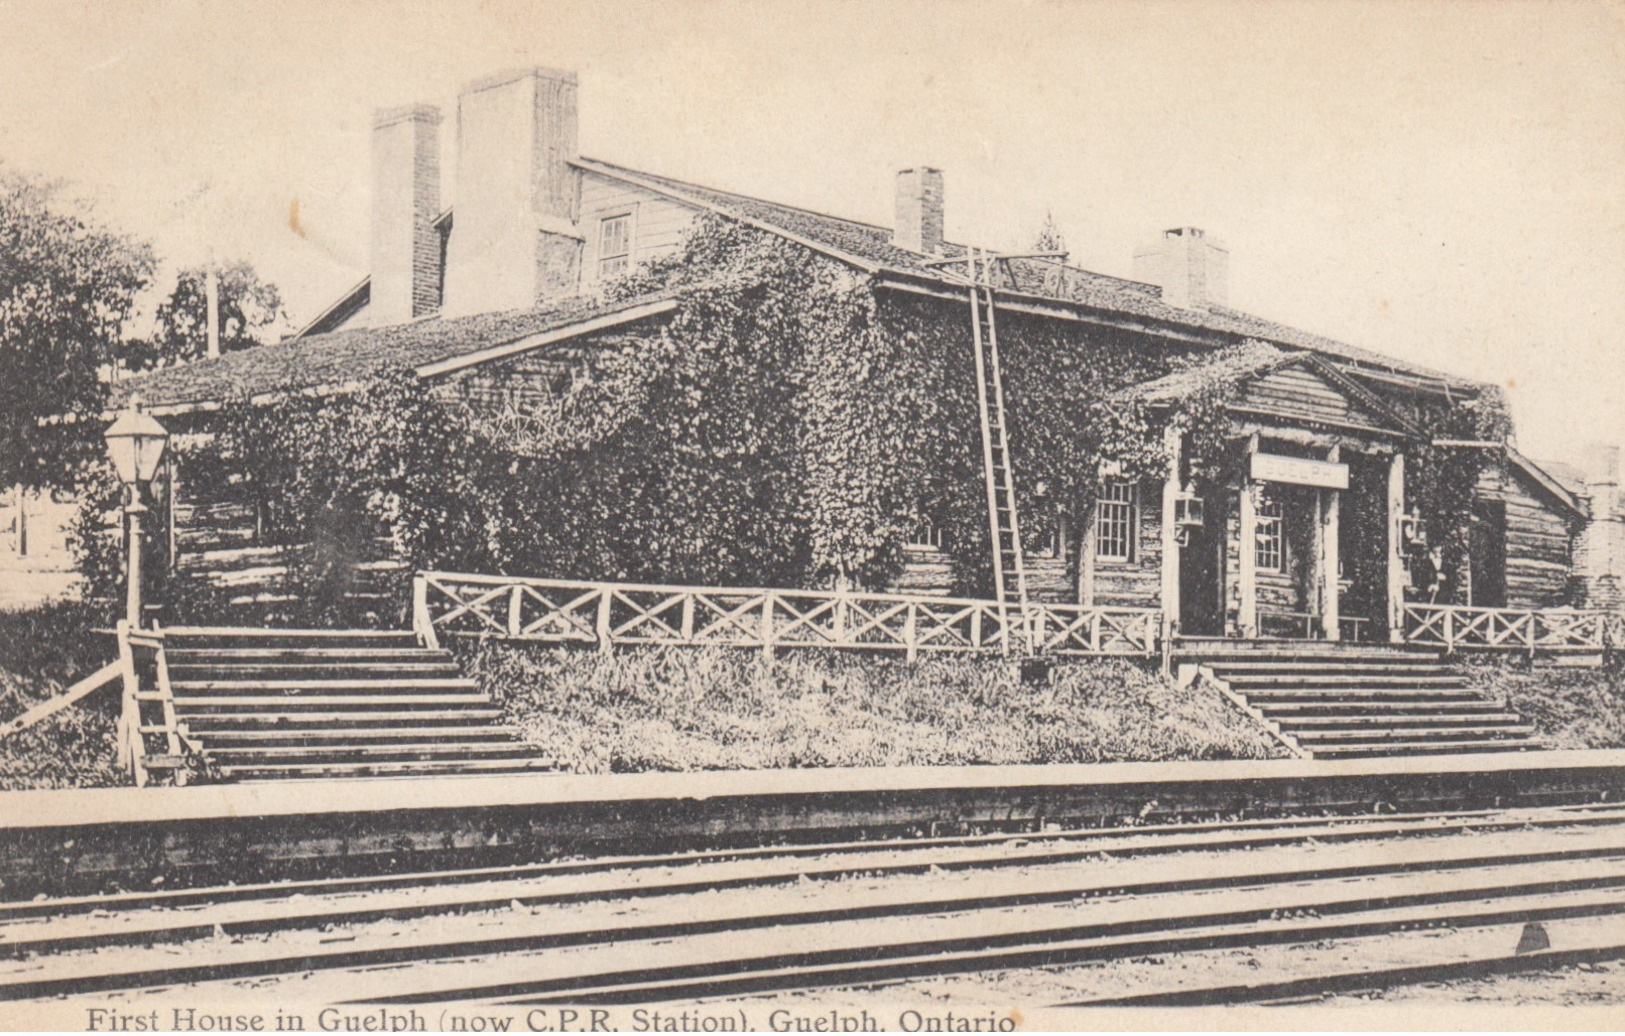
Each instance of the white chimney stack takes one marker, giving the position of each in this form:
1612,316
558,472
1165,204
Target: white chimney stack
405,202
514,241
1192,269
917,224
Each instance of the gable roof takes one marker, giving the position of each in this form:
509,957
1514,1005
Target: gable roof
1255,360
870,248
333,361
1543,480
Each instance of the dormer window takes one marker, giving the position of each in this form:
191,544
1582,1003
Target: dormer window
614,246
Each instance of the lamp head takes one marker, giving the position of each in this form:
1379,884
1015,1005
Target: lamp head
135,443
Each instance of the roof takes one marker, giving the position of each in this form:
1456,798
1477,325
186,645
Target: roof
342,358
1541,477
870,246
1252,358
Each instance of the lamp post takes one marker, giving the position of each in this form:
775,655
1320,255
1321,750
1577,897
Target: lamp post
135,442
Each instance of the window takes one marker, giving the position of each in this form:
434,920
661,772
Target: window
614,246
1269,552
1114,522
925,536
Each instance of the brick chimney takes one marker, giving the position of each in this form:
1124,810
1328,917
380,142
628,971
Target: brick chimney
1599,550
917,225
515,241
405,202
1192,269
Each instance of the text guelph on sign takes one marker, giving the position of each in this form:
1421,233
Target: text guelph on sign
1272,467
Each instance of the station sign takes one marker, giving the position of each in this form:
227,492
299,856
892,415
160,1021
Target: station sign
1299,471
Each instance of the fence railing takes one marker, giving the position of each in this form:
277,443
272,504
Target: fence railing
1547,629
606,614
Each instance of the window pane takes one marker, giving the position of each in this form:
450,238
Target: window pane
1269,554
1114,522
616,239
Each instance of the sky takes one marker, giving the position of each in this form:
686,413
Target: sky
1441,181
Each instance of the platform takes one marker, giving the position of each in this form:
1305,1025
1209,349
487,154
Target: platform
57,841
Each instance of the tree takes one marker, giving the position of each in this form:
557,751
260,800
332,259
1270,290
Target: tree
250,309
67,287
1049,237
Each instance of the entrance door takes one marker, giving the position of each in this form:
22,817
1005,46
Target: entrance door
1489,554
1201,577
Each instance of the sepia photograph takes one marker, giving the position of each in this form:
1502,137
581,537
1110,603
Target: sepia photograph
816,517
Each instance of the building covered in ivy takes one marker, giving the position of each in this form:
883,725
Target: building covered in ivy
590,371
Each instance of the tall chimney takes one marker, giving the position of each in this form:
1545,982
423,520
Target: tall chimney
515,241
405,202
1192,269
917,225
1602,479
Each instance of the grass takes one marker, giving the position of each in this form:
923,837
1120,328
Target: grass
1571,708
711,709
43,650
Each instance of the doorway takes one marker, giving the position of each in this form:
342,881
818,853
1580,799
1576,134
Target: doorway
1201,575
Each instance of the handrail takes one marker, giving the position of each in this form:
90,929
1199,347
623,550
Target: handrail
1454,626
103,677
604,614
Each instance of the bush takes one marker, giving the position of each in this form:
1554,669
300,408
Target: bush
42,651
720,708
1572,708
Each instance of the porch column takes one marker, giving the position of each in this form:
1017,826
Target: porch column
1247,555
1332,507
1173,445
1396,559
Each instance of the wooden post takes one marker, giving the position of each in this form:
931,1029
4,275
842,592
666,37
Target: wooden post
767,626
1173,444
1247,555
688,618
516,598
1396,556
605,631
422,624
132,749
1086,556
911,632
22,522
1330,548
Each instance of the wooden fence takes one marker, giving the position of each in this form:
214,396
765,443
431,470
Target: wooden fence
605,614
1550,629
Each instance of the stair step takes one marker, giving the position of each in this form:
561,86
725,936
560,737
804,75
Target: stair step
1335,709
195,671
1432,734
1334,694
1423,748
298,722
320,685
1340,679
1420,720
445,767
327,701
186,655
238,755
192,637
339,734
1371,667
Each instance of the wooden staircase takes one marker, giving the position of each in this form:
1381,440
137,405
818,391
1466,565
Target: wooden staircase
262,704
1332,701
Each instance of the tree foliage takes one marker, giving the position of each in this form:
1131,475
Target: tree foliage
67,287
250,309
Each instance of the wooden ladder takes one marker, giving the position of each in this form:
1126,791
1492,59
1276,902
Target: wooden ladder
998,467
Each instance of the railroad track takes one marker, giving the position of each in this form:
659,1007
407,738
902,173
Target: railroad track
637,929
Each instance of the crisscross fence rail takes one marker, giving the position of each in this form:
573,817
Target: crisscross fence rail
1453,627
603,615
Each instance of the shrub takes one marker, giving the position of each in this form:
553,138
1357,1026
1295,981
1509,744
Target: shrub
42,651
1572,708
720,708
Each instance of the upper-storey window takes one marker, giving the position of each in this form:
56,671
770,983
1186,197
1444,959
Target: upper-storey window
614,246
1114,522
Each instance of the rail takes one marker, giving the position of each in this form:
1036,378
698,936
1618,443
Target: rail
1454,627
606,614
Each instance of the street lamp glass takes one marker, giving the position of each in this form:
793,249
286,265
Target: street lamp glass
136,442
